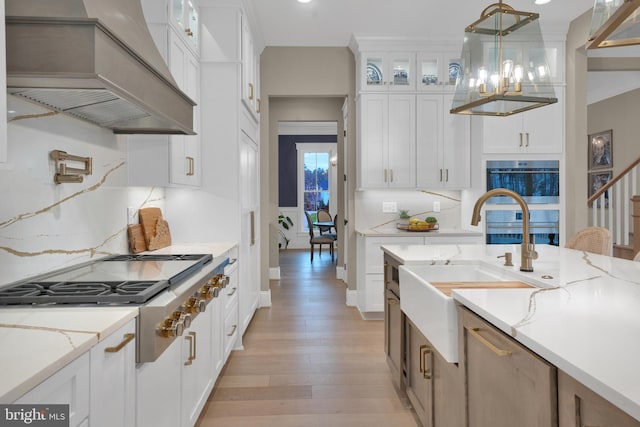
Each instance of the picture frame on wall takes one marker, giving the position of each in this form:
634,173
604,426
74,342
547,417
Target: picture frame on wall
597,180
600,150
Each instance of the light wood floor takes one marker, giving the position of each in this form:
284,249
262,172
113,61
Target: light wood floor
309,360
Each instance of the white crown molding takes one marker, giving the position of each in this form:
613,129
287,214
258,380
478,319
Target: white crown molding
307,128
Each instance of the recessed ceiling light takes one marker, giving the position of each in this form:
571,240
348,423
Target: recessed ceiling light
541,1
304,1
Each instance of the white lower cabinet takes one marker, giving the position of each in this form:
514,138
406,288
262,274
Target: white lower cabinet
113,379
69,386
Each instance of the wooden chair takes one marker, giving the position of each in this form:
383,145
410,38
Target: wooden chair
323,216
318,240
596,240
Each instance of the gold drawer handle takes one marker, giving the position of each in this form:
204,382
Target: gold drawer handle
127,339
475,332
233,331
426,373
250,91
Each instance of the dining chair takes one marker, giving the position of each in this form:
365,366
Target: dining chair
318,240
596,240
323,216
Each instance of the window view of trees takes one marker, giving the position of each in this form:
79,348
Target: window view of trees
316,182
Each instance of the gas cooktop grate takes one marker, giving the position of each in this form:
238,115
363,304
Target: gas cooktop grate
81,292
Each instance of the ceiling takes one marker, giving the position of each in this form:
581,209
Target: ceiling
332,22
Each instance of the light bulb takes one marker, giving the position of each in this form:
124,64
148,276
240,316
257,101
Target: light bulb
482,75
495,81
518,73
507,67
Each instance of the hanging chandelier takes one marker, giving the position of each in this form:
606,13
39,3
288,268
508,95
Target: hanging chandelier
615,23
504,63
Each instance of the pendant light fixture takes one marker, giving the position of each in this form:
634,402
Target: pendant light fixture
504,63
615,23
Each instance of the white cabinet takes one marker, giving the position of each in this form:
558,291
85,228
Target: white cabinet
387,71
370,269
113,381
197,369
230,299
387,141
443,144
437,71
163,160
69,386
540,130
185,17
250,69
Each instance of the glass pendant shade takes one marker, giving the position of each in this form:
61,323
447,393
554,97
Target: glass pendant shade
504,65
615,23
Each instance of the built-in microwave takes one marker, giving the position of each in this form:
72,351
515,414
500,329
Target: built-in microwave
537,181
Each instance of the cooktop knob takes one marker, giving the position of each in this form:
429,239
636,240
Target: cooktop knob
207,291
171,328
195,305
183,317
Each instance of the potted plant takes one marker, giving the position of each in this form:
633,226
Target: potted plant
285,222
404,217
432,221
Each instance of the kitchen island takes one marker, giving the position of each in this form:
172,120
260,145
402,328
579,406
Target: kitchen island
581,316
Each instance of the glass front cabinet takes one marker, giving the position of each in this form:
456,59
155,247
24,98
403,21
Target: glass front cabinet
384,71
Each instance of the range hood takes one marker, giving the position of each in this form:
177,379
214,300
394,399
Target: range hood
94,60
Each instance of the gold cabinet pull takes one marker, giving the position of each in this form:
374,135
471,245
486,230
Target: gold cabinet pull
426,373
233,291
233,331
258,105
192,348
127,339
527,140
520,139
475,332
250,91
385,175
252,220
191,164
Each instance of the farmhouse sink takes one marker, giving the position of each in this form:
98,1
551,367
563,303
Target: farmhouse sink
425,297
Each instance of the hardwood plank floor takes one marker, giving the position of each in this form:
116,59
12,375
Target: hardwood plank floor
309,360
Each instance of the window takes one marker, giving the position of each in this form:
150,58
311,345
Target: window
316,179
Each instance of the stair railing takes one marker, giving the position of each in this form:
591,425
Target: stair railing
611,204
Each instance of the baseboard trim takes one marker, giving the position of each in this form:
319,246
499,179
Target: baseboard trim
352,298
274,273
265,298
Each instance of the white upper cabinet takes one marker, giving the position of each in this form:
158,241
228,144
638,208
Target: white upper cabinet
537,131
387,71
250,69
437,71
3,94
387,141
185,17
443,144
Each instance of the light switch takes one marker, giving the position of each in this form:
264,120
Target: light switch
436,206
389,207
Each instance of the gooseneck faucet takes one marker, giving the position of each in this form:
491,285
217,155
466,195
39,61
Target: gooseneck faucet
527,249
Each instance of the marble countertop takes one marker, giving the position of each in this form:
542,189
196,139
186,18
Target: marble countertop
37,342
585,320
395,232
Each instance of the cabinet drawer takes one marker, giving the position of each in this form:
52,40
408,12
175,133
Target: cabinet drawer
68,386
230,332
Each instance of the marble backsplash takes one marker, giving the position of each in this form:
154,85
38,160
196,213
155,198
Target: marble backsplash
43,225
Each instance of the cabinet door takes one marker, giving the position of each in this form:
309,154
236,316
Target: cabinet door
197,378
437,71
502,134
579,406
401,152
456,147
419,361
374,123
158,397
69,386
248,66
113,382
429,149
543,127
393,333
507,385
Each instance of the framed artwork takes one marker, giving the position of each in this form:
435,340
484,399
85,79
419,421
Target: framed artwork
601,150
596,181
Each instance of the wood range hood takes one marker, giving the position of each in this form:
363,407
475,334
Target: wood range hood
94,60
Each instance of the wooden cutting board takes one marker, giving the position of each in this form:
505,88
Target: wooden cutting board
155,229
447,287
137,243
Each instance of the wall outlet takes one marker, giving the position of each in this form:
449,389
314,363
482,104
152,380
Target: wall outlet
436,206
389,207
